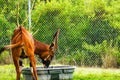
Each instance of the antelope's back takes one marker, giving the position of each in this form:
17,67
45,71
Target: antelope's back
21,34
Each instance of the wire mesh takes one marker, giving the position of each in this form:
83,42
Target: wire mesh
89,33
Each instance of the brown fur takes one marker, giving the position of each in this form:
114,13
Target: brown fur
22,45
44,51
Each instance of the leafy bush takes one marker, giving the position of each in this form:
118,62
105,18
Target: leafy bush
107,53
5,58
87,28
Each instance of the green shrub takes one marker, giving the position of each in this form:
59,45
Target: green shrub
107,53
5,58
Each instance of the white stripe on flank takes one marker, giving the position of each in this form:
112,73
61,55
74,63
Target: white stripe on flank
31,68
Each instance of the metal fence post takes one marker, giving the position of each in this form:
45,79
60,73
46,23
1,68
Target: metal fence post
29,14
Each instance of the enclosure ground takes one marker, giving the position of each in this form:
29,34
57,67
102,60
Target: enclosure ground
7,72
82,73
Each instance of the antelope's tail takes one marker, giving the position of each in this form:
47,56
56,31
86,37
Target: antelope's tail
19,44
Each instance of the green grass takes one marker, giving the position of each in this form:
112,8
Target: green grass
7,72
96,74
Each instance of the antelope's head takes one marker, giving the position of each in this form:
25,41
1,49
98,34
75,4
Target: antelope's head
52,49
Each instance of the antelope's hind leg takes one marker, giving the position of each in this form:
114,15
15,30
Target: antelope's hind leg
20,64
33,67
16,63
15,55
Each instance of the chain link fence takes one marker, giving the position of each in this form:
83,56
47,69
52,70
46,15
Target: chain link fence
89,30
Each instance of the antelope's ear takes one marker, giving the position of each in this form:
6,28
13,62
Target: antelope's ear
52,47
54,44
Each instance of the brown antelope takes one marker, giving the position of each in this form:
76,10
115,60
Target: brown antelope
46,52
25,46
22,46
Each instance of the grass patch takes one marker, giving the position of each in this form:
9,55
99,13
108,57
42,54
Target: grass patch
96,74
7,72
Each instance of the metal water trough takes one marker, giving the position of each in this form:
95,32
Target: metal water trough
51,73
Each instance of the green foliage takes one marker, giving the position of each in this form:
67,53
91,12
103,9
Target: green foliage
89,28
5,58
107,53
